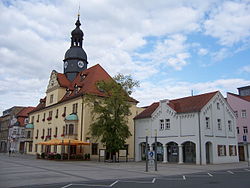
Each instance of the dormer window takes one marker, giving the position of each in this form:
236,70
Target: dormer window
68,91
82,77
76,89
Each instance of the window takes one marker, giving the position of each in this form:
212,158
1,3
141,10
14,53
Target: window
230,126
66,129
232,150
245,130
207,123
238,130
55,148
44,114
56,132
37,118
219,124
243,113
51,98
161,124
222,150
71,129
32,119
50,113
30,147
167,124
37,132
57,113
218,105
43,132
74,111
94,149
64,111
236,113
35,147
28,134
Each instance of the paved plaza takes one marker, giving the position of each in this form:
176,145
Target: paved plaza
27,171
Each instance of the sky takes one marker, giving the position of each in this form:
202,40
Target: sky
173,48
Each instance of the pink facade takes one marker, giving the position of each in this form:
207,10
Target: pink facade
241,107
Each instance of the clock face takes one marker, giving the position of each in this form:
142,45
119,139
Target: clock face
65,64
80,64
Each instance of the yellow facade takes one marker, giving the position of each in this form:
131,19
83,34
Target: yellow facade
56,126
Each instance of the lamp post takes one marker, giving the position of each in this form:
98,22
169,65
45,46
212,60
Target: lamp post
155,150
146,150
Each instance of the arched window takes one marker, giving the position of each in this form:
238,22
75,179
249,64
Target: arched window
71,129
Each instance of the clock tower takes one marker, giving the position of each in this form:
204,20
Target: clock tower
75,59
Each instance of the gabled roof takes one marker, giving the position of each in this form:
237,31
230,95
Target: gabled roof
85,82
246,98
182,105
24,112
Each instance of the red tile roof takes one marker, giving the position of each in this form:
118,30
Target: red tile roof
24,112
246,98
182,105
86,83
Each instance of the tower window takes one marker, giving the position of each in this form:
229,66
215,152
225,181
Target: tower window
161,124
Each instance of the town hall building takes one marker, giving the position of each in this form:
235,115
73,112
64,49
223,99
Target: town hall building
63,112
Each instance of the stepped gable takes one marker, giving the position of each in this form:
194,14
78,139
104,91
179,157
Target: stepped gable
182,105
246,98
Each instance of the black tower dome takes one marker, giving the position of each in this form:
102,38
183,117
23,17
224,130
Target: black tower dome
75,59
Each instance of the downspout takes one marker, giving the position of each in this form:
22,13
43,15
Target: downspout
82,119
199,123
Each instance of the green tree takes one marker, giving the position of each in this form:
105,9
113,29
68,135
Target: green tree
110,113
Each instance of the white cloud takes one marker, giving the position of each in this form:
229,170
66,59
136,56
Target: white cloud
245,69
172,89
34,35
229,22
203,51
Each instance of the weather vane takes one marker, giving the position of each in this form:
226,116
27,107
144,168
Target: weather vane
78,10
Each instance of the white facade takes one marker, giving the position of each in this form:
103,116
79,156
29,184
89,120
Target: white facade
192,137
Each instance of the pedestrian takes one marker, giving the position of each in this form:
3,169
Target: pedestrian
9,152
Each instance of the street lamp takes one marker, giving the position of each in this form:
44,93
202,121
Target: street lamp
155,149
146,150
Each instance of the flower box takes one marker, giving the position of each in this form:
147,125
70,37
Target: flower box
49,118
63,115
55,136
48,136
43,119
62,135
37,121
42,137
56,116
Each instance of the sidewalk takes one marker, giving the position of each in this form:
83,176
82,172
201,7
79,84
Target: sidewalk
24,170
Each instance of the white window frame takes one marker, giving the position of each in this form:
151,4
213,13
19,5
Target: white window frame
167,124
219,124
243,113
207,119
230,125
161,125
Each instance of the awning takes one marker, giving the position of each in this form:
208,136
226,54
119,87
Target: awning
65,141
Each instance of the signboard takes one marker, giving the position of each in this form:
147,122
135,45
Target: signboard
102,153
151,155
122,153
